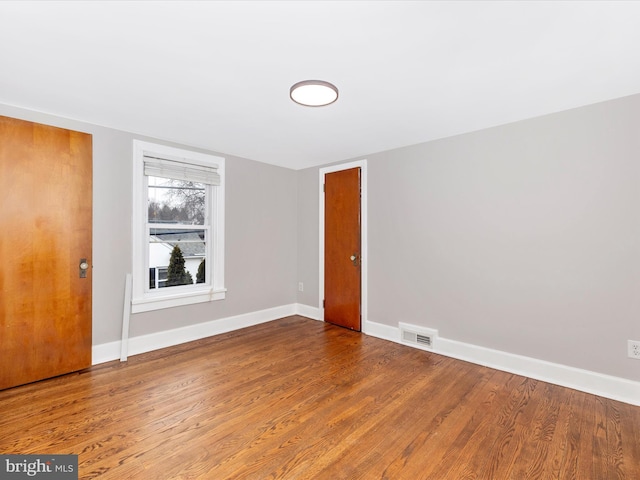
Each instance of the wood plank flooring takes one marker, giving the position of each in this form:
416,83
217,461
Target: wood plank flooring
301,399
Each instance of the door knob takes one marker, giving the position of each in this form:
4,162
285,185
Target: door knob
354,259
84,266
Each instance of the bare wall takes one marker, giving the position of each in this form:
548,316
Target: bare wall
308,240
261,235
523,238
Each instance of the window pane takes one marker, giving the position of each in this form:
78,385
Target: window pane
176,257
152,278
176,201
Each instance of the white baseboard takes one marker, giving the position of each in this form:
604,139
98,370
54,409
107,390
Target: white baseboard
616,388
314,313
608,386
379,330
107,352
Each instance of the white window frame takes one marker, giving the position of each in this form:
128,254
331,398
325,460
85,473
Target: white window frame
145,299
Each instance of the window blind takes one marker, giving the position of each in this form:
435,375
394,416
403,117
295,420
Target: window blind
189,172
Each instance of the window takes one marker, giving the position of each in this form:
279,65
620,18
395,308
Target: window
178,227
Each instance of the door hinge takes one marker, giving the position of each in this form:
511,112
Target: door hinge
324,188
322,303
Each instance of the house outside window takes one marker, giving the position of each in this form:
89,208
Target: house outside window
178,227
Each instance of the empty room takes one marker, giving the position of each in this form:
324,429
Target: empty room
320,240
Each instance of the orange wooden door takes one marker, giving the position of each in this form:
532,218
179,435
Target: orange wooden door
342,280
46,227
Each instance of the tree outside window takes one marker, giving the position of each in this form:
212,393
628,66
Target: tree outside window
176,273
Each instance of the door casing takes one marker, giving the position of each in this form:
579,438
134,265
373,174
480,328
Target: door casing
364,258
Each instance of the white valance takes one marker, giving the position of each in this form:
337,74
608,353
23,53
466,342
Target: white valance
189,172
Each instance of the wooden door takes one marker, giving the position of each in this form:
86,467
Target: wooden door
45,224
342,280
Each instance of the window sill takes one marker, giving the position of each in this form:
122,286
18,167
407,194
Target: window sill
148,304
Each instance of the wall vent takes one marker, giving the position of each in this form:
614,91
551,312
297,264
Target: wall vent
416,336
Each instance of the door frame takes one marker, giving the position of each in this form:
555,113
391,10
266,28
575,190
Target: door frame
364,258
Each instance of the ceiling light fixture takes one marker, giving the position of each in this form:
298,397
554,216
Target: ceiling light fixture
313,93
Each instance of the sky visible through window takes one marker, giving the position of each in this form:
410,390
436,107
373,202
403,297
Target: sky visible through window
176,201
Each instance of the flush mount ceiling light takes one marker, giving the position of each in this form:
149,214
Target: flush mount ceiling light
313,93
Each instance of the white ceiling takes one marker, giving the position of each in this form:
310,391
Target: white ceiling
217,74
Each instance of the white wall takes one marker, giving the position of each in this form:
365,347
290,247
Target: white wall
524,238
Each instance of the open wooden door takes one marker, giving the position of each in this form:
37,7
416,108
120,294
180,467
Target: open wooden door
342,249
45,251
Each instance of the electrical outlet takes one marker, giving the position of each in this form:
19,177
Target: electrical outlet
634,349
300,287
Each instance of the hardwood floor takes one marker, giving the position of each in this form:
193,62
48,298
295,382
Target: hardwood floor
301,399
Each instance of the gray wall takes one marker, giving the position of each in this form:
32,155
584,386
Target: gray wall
308,236
261,235
523,238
